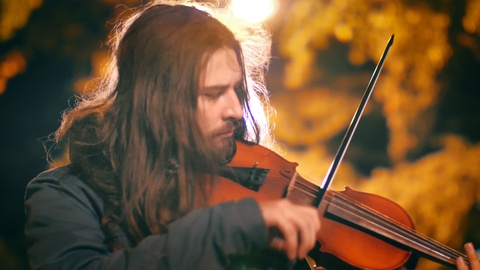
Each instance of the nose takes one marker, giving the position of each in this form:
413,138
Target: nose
233,109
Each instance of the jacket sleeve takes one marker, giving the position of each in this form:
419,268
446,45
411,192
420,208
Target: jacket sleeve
63,231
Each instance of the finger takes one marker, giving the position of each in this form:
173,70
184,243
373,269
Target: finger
290,235
472,256
306,224
277,243
461,265
307,238
313,222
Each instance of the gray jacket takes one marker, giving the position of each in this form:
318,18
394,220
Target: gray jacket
63,231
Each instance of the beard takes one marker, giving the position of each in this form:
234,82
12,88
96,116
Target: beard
227,151
225,148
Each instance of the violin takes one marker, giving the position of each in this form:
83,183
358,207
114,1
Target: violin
365,231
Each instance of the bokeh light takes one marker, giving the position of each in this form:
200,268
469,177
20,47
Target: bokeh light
254,11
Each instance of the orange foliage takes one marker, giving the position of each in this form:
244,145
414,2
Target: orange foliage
10,66
437,190
407,88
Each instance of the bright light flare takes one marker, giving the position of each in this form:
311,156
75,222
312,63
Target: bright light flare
254,11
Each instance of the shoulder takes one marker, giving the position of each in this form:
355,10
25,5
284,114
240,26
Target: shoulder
62,185
61,178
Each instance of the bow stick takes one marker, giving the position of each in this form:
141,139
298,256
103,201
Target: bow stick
327,180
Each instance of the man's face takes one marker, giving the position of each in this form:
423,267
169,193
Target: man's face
218,103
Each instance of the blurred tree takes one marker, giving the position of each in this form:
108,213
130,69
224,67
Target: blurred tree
13,16
44,46
407,89
427,85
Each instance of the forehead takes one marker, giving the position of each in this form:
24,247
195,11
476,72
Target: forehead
222,68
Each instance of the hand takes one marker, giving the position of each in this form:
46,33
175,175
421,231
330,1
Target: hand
472,258
298,225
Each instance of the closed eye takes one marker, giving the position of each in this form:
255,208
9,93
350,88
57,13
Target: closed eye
214,93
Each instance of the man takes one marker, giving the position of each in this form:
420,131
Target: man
144,150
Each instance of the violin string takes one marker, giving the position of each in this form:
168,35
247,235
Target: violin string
310,191
402,227
304,189
373,217
388,231
393,227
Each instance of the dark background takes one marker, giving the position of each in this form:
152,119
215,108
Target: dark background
58,40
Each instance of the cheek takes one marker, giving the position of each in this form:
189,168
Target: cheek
207,122
204,116
201,115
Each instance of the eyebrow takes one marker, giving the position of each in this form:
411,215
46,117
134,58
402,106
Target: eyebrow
215,87
220,86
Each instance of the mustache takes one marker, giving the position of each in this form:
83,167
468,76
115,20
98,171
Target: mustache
230,126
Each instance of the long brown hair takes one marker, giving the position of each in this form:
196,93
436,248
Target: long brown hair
136,140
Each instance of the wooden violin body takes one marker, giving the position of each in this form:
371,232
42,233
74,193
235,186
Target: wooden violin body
363,230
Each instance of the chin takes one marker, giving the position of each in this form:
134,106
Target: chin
226,148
